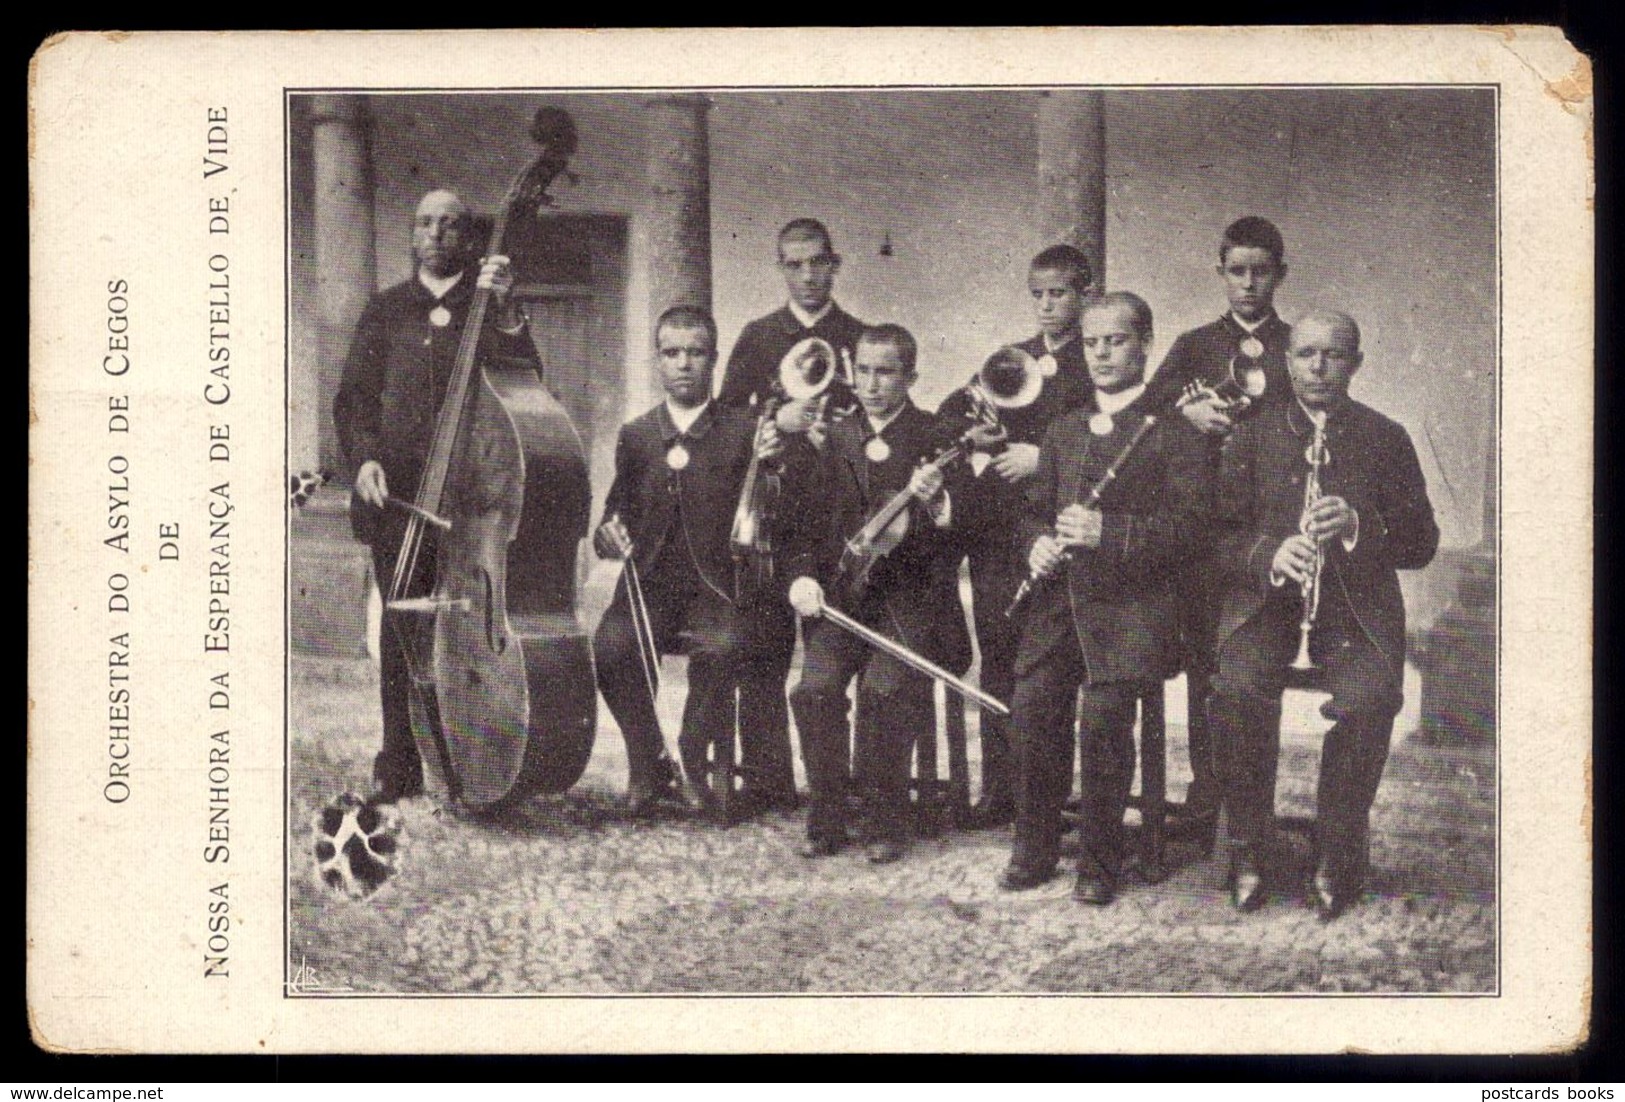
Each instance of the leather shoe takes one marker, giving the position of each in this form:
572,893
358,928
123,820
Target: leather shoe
786,802
1331,898
389,792
991,812
1021,878
1152,870
664,785
1093,890
884,852
640,798
814,848
1247,892
1201,828
692,797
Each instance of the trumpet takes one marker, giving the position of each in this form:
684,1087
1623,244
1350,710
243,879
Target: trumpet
1317,457
1243,384
1009,379
808,368
806,378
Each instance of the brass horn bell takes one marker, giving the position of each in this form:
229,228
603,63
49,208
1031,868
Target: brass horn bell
808,368
1010,379
1244,383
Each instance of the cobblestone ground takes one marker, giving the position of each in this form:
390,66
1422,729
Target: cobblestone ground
571,897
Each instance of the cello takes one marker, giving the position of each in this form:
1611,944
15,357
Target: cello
502,691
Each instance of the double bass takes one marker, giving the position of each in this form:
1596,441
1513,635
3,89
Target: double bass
502,695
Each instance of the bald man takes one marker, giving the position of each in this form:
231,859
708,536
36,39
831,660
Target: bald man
1371,519
400,361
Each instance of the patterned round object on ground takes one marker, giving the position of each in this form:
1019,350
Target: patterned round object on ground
356,845
303,484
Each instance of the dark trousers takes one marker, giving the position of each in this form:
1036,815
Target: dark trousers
1047,698
994,576
767,761
397,769
1199,604
894,705
1366,688
714,636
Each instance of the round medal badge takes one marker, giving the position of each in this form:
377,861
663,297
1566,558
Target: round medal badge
877,450
439,317
677,457
1101,424
1253,382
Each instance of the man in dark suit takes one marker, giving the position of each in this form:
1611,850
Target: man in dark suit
1252,338
1109,627
401,360
910,595
809,263
1371,518
678,469
1060,283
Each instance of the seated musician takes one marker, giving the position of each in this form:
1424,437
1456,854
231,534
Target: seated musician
910,596
401,359
1060,282
678,470
1108,624
1250,337
1370,518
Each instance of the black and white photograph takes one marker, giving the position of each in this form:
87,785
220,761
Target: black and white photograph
893,540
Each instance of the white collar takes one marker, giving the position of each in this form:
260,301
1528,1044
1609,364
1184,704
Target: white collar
1116,403
879,427
438,286
1051,347
809,320
684,418
1252,326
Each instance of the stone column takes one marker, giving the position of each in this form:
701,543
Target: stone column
333,592
1457,654
679,210
1072,173
346,262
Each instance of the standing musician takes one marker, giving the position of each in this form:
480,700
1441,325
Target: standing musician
1109,627
401,360
910,597
1364,516
678,469
1250,337
808,262
1060,282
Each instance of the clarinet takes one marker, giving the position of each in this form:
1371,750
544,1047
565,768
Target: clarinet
1316,455
1090,502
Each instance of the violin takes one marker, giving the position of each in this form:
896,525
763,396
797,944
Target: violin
751,539
805,374
889,526
502,699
